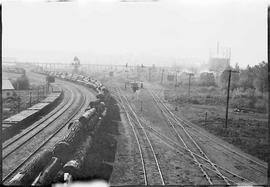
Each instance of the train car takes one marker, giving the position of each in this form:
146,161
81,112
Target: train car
15,121
134,86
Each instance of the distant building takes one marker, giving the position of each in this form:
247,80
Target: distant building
7,89
218,65
219,60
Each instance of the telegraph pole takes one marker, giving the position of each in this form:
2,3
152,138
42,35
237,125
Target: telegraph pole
30,102
38,94
189,74
228,96
149,73
19,104
176,73
162,76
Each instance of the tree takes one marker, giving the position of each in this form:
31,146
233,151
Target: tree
224,78
207,79
235,77
261,77
22,83
246,78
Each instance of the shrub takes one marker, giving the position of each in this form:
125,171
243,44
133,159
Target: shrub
21,83
242,102
260,104
212,89
207,79
203,90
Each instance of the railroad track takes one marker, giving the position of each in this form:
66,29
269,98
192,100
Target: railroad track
151,170
195,131
14,143
213,170
191,145
23,156
185,152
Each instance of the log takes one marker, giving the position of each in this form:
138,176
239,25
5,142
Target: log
67,178
104,113
26,176
93,104
62,151
65,148
93,122
100,108
75,164
50,172
85,118
100,96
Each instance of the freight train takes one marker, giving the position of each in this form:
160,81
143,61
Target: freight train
67,156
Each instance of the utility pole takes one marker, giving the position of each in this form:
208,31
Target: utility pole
30,100
189,74
176,73
19,104
228,95
150,74
43,87
38,94
162,76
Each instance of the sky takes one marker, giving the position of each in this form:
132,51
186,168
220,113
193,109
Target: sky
113,32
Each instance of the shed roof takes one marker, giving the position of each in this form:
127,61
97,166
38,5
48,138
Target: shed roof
6,85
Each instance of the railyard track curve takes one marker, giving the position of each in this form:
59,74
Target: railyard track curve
12,171
18,141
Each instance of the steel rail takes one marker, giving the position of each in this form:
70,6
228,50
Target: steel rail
226,147
55,115
47,140
185,145
194,142
199,156
148,140
137,140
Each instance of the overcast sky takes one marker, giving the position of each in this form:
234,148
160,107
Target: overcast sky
100,31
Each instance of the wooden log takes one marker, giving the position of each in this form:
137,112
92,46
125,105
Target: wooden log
100,108
93,122
65,148
67,178
50,172
75,164
85,118
100,96
26,176
93,104
62,151
104,113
